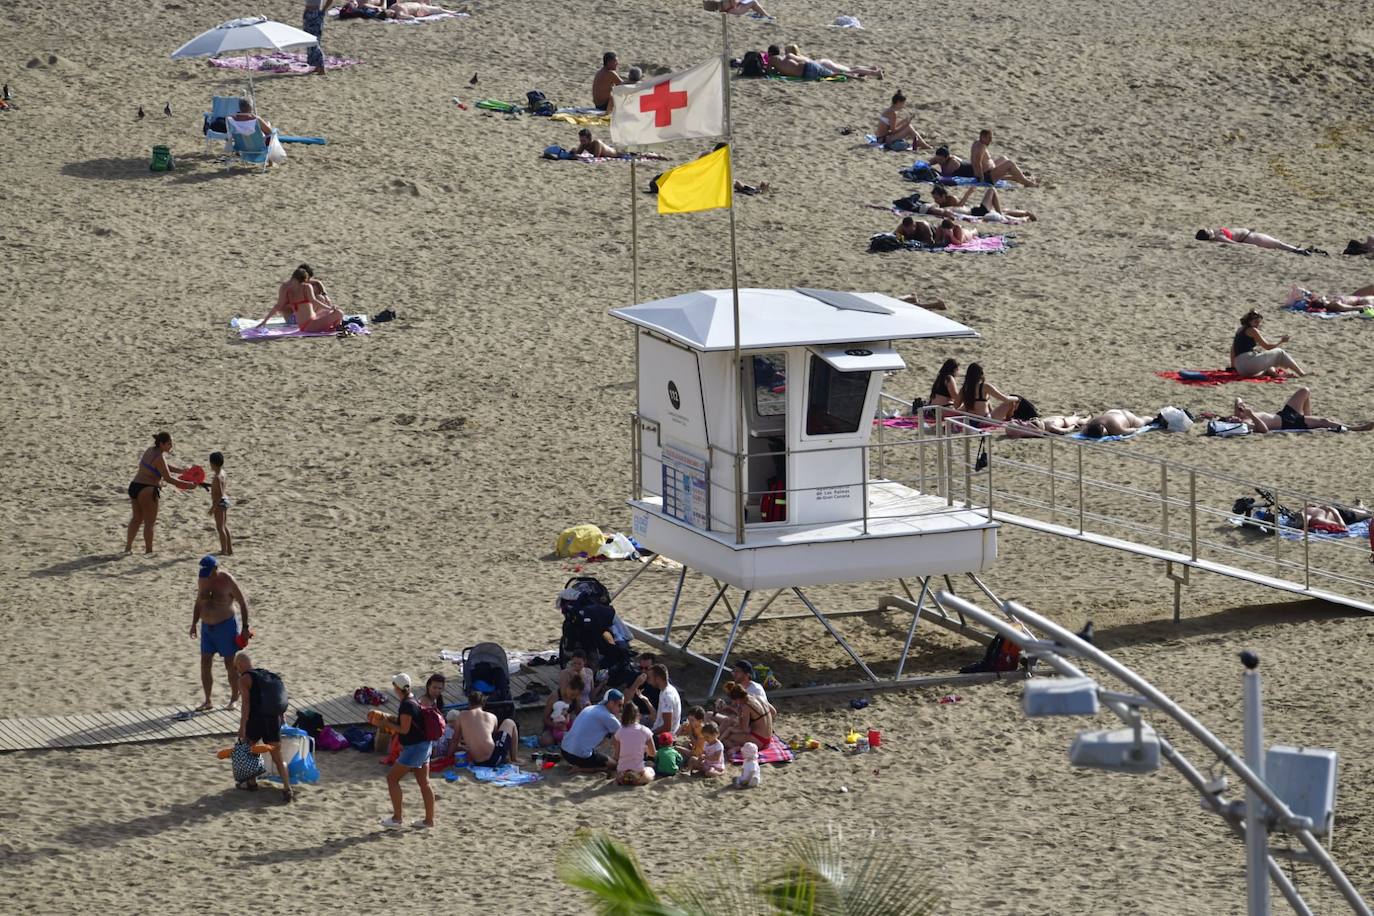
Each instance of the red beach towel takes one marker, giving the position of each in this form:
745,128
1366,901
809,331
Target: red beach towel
775,752
1204,378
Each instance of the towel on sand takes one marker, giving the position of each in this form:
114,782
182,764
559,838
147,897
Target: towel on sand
1130,435
275,329
507,775
1203,378
775,752
437,17
582,120
279,62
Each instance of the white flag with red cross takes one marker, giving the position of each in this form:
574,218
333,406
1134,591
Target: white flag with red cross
680,106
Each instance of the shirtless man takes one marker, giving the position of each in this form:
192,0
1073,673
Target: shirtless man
214,614
1115,422
989,208
605,80
795,64
487,743
990,170
1296,413
593,147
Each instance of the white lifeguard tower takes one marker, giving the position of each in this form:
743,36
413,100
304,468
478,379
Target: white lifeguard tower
751,449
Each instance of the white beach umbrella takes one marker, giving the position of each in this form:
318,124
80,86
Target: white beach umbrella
243,35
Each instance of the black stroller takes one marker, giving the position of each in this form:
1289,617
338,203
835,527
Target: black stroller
485,670
591,625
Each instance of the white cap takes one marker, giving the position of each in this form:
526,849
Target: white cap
401,680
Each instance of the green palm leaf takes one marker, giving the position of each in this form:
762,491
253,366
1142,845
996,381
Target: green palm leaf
609,872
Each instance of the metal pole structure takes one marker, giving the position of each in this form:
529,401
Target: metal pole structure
734,285
634,237
1256,833
1192,513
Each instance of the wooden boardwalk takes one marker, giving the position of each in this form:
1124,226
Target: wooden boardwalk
161,723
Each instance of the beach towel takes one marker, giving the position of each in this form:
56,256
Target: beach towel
277,328
917,172
1130,435
581,119
773,752
904,422
962,217
1202,378
314,141
1294,533
504,776
835,78
985,243
1316,311
437,17
280,62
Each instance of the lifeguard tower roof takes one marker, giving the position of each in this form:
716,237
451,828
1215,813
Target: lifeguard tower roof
704,320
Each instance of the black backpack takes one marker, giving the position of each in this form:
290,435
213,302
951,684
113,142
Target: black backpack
538,104
910,203
921,173
752,66
884,241
268,696
310,722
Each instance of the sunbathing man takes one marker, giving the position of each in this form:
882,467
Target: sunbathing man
990,170
488,743
1115,422
797,65
914,230
989,208
593,147
605,80
895,124
1251,237
1296,413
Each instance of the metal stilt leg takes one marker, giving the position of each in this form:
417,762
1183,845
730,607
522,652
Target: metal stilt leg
835,633
729,644
672,611
911,631
709,608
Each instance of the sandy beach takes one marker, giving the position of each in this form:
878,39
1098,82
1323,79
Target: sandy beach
399,494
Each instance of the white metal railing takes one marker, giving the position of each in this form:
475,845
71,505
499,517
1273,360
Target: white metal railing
1085,486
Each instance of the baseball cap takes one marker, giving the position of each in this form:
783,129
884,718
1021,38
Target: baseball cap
207,566
745,666
613,694
401,680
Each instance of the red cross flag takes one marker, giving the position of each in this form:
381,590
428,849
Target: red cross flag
680,106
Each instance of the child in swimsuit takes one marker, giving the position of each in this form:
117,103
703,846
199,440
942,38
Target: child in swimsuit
691,729
219,503
712,761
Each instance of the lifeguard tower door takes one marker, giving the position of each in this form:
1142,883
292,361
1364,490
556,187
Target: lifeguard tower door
765,417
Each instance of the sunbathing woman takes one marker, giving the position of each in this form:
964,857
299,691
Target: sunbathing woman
1296,413
973,396
1055,424
951,166
744,8
296,298
1357,249
895,124
1251,237
1357,301
1254,357
408,10
1115,422
944,393
951,234
153,470
989,208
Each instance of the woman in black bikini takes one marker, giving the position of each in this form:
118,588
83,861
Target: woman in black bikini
153,469
943,392
973,397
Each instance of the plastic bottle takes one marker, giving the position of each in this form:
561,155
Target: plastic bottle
459,102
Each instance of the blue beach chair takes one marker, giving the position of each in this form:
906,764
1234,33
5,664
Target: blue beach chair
221,107
250,147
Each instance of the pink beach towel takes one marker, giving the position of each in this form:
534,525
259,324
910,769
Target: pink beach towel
775,752
983,243
1205,378
279,62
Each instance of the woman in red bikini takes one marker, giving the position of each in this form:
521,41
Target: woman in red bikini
750,720
146,487
1251,237
298,300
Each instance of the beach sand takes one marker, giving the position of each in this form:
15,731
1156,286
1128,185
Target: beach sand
400,494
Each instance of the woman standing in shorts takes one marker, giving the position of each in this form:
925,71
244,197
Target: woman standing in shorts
408,726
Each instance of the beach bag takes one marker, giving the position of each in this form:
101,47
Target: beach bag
883,242
310,722
360,739
1001,655
752,67
911,203
162,160
330,740
579,539
921,173
1226,429
897,146
433,721
246,764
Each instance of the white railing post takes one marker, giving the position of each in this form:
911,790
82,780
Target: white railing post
1192,513
1164,502
1306,548
1052,509
1080,489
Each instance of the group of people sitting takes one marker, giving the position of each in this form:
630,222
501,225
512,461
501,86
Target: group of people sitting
644,726
305,303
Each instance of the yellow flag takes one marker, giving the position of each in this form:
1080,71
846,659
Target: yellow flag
703,184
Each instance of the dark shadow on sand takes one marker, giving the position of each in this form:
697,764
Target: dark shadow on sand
1237,620
67,567
326,850
209,806
112,169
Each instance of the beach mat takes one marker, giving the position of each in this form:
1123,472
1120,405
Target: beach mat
1206,378
1130,435
280,62
775,752
909,173
278,329
422,20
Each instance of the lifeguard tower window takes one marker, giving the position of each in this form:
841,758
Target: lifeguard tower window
770,384
834,400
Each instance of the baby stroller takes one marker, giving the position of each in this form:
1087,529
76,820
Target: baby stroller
486,671
587,618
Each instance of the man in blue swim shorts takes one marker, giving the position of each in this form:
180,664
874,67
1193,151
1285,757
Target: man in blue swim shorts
216,595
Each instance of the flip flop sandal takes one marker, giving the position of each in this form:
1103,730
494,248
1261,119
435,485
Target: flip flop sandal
184,715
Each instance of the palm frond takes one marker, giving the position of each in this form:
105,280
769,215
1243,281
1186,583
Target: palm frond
609,872
831,877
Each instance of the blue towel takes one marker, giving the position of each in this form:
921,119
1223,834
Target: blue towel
508,775
907,173
317,141
1130,435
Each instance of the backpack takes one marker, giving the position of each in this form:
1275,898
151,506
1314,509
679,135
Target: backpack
1001,655
268,696
911,203
538,104
884,241
752,66
310,722
162,160
1226,429
433,721
921,173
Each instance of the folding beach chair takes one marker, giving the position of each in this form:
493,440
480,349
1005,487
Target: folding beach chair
221,107
250,146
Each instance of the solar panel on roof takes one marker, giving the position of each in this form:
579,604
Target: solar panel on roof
846,301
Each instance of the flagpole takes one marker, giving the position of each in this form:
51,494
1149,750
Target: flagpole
634,236
734,282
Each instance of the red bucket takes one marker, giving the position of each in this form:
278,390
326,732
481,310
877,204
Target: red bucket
875,738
